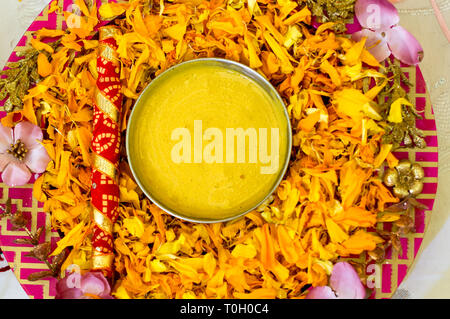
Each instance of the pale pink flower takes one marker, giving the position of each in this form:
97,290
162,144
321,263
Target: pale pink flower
344,284
91,285
379,20
21,154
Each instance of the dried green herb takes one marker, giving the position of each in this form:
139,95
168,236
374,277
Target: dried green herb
405,132
19,77
338,11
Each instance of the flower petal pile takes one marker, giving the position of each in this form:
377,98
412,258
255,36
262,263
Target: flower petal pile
321,213
330,195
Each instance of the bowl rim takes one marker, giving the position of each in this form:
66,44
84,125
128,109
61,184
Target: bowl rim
264,84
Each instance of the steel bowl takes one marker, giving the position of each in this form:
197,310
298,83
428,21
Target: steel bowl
230,65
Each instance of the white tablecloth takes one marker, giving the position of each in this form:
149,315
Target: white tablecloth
9,286
430,275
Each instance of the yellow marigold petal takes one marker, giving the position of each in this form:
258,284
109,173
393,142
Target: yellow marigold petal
355,216
314,191
337,235
157,266
385,150
64,167
29,112
171,248
287,246
209,264
326,67
254,60
291,202
37,189
283,190
286,66
353,55
303,15
355,104
359,242
267,248
129,196
44,67
391,160
253,7
259,293
292,36
134,226
395,111
243,250
74,237
176,31
307,124
41,46
369,59
318,247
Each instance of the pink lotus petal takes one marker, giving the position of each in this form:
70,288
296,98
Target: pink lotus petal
73,293
28,133
92,285
95,283
37,159
404,46
346,283
68,287
323,292
77,286
376,44
376,14
6,138
16,174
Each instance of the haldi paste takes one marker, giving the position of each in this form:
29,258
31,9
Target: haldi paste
207,142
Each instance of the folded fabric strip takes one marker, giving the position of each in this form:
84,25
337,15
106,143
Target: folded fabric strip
106,146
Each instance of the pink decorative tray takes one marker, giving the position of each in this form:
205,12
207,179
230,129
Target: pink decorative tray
389,275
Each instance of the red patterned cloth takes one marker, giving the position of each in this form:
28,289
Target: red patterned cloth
106,146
